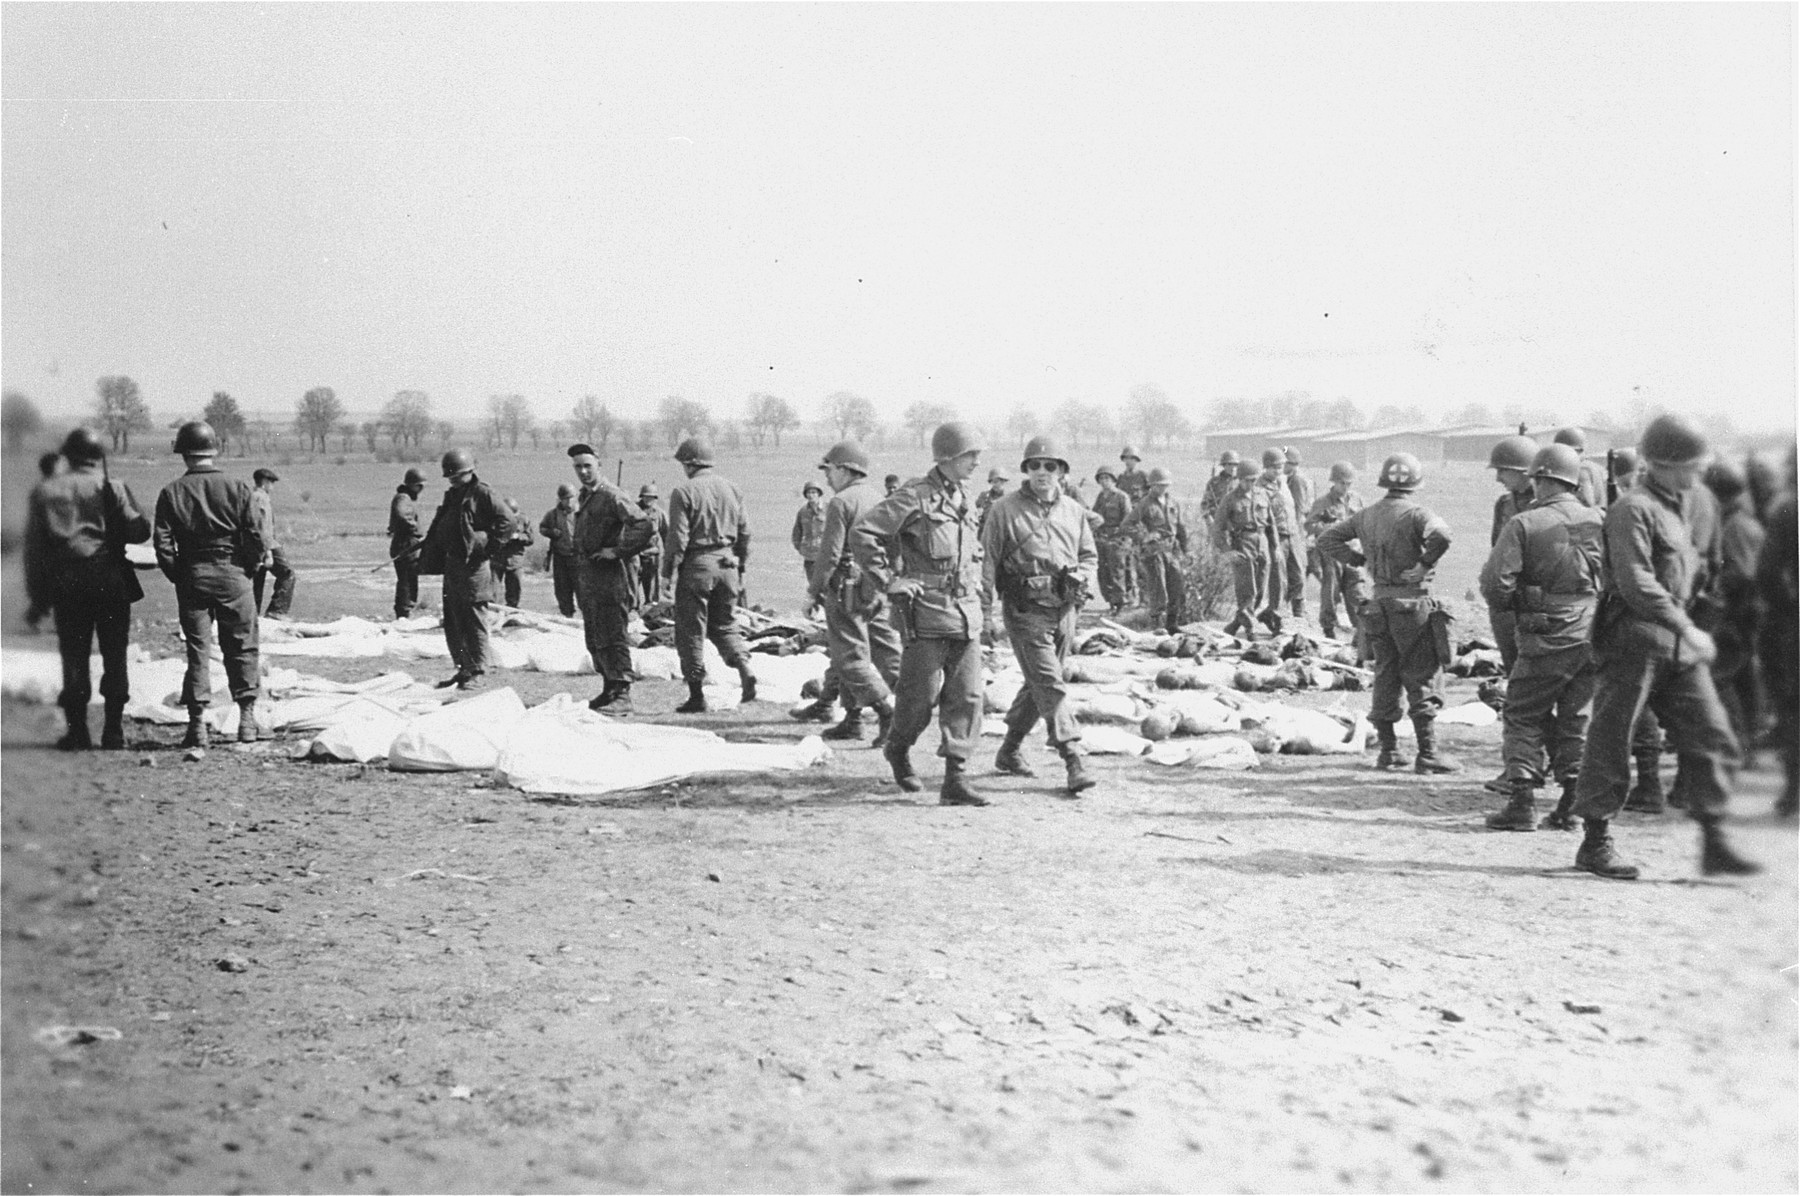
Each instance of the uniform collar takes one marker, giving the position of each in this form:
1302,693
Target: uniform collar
1673,499
204,467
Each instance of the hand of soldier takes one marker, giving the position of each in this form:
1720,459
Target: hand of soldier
607,554
815,606
904,585
1415,575
1697,646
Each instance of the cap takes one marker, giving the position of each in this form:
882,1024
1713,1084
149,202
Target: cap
582,450
266,474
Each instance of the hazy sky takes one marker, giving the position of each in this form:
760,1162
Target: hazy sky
972,204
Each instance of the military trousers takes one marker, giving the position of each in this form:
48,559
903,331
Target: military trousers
80,620
942,675
1293,558
865,653
1505,624
706,591
1735,676
509,574
1778,643
1547,700
650,581
468,605
1639,670
1040,640
562,580
603,594
1338,583
1115,570
1166,591
406,583
1400,636
1249,569
282,600
218,593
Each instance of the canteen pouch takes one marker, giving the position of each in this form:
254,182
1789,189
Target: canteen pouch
1440,620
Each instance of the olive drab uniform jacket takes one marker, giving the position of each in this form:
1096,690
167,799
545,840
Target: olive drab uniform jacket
1245,521
75,535
1156,523
1651,566
1396,533
467,530
1505,507
1546,570
936,531
1113,507
1037,554
1328,509
837,571
809,529
1135,483
404,533
1281,503
1218,489
606,518
1300,488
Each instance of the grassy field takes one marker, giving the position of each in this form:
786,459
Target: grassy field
336,515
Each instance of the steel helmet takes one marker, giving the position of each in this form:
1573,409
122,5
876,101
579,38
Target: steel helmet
82,445
694,451
457,460
1725,480
1292,454
1557,461
565,490
1229,457
1043,448
413,478
1105,471
1575,438
1272,458
196,436
647,490
1248,469
997,474
1129,453
1343,471
1515,452
953,439
1160,477
1401,471
1672,440
850,455
811,488
1624,462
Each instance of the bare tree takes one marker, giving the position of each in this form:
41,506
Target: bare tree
121,410
346,435
371,431
592,422
677,417
1154,414
770,415
317,414
510,417
226,419
407,418
921,419
20,419
853,415
445,432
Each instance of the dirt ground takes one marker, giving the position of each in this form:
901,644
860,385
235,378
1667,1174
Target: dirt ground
332,978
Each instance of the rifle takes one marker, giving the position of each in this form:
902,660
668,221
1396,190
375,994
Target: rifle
1612,481
619,474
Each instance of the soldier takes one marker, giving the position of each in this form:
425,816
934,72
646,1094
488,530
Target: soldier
1223,481
997,480
935,584
1283,576
1241,527
891,483
274,560
1545,571
1336,579
809,528
708,547
1156,525
76,530
1592,490
467,527
1646,795
864,647
1778,592
1407,629
1651,651
608,533
48,464
1039,559
650,560
558,529
1741,541
1511,461
509,553
209,542
1111,507
404,538
1300,557
1132,480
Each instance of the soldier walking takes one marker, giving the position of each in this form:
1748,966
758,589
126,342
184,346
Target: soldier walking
607,533
1161,535
76,529
1336,579
935,585
864,647
1283,578
1408,630
650,587
1241,527
1545,571
708,547
274,562
1300,546
1223,481
1651,652
404,538
558,529
209,542
1112,508
1039,559
468,527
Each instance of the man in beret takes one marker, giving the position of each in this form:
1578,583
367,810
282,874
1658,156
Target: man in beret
274,560
609,532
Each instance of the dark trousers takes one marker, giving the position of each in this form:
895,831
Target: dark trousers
650,582
600,589
1506,637
406,585
1166,591
942,675
1638,670
865,653
706,593
1338,582
282,600
1547,698
1734,676
209,593
80,621
1040,640
509,572
562,579
1249,570
1115,571
468,598
1406,658
1293,562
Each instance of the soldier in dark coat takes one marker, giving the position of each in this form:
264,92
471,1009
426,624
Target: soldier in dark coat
707,550
405,535
608,534
558,529
469,524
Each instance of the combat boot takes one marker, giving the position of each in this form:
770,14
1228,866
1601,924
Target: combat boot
248,730
77,738
1078,780
1429,760
1500,783
1646,797
956,790
747,681
614,696
1520,812
1560,819
112,732
1388,755
819,710
884,722
1716,856
198,735
1008,760
1596,853
899,760
1270,619
696,703
850,728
